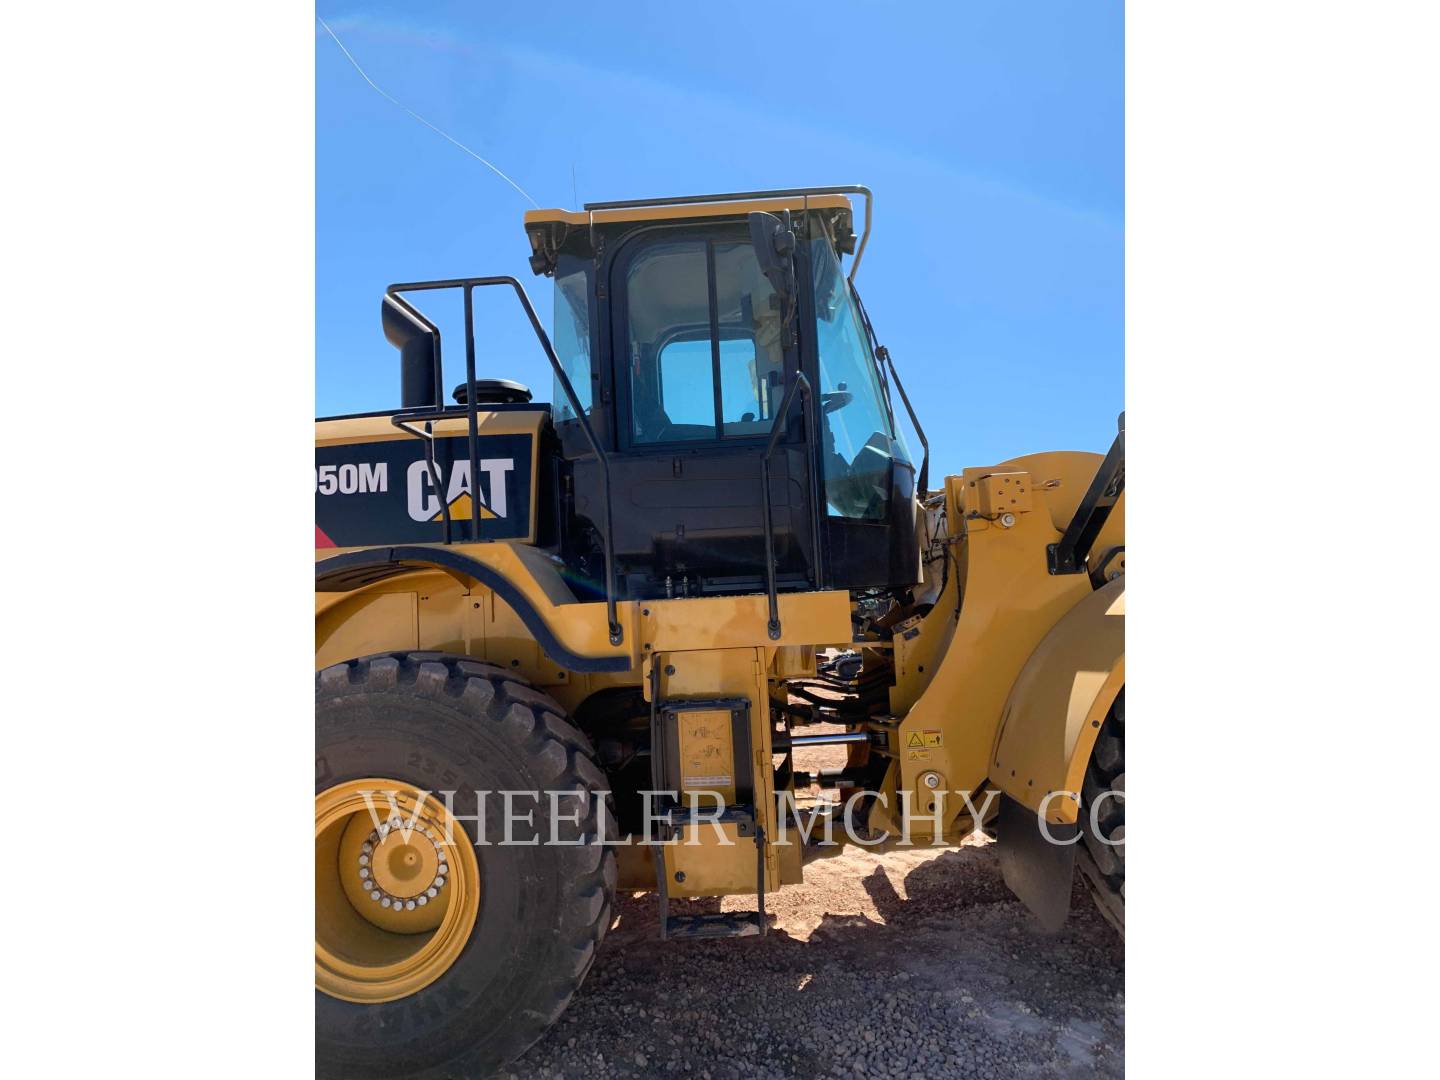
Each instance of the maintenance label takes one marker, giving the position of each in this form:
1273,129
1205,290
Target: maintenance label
706,754
384,492
708,783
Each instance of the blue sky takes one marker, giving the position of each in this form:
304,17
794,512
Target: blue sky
991,132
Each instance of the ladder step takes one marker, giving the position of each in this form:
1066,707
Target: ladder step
678,817
726,924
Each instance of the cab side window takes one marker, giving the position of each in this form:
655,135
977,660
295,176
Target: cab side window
572,336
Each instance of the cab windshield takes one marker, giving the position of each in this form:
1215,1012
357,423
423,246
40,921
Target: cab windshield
861,445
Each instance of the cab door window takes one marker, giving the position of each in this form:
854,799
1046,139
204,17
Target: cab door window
686,371
703,341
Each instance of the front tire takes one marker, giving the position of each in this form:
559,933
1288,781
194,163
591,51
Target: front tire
442,723
1102,855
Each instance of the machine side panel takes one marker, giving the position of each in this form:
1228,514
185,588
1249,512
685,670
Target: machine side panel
1058,704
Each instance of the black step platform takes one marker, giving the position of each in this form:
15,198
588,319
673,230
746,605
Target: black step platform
726,924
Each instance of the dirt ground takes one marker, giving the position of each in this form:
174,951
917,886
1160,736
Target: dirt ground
916,963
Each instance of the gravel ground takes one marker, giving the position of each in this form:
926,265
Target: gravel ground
916,963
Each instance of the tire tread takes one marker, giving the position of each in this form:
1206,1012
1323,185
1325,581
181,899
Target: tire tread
1103,864
537,722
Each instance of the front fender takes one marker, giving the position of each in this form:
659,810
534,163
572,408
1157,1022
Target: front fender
1058,703
567,632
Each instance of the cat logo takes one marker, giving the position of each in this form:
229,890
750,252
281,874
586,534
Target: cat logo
424,506
384,492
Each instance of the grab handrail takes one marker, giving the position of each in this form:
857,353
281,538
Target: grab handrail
798,382
394,294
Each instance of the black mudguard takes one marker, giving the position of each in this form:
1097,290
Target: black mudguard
1037,871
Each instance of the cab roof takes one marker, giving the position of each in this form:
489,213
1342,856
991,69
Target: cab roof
552,232
660,210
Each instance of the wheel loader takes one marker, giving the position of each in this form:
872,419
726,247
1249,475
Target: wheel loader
572,648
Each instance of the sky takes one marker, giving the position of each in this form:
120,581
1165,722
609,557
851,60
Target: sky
991,132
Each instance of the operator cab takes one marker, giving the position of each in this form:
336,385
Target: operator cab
683,328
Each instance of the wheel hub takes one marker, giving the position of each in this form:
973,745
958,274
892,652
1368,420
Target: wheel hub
403,869
391,915
396,872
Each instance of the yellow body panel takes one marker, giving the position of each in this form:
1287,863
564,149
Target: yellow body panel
710,866
998,603
1059,702
816,619
376,621
487,627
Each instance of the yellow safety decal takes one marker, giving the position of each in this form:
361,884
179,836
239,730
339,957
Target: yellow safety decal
921,739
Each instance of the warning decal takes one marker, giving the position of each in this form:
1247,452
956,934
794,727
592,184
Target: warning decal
920,740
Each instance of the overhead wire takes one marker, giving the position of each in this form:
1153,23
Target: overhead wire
405,108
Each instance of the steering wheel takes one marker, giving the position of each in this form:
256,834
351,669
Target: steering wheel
836,399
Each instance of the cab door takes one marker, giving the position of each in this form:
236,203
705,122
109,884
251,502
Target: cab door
699,370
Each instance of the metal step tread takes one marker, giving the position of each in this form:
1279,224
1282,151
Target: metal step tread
725,924
678,817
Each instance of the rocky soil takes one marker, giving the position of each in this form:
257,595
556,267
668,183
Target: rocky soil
916,963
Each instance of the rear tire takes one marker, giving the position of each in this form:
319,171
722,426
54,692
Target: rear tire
1102,855
447,723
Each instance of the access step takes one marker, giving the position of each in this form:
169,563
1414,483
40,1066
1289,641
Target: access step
726,924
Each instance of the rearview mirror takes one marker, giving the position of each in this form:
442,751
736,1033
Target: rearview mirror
774,244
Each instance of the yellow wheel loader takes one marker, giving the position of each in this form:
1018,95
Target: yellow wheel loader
569,648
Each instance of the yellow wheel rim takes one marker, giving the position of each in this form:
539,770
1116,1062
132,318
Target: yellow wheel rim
397,890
